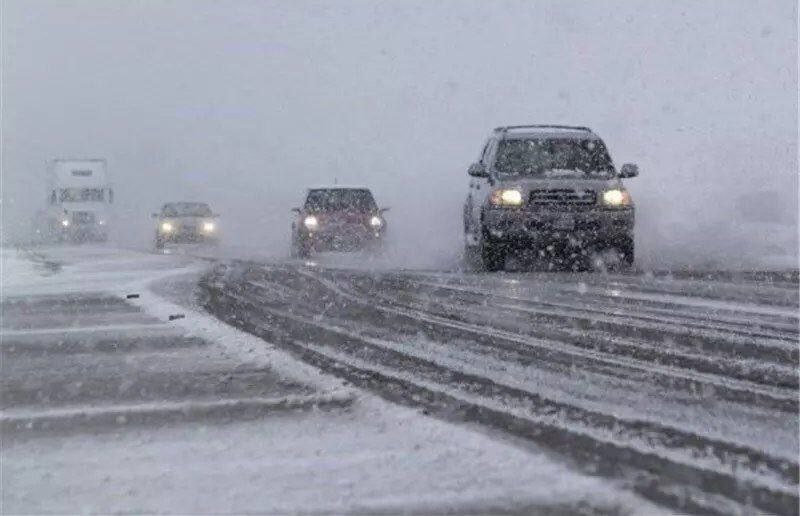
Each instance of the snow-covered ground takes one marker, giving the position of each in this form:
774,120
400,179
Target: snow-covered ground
366,456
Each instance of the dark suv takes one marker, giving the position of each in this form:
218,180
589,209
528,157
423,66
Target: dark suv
337,219
553,190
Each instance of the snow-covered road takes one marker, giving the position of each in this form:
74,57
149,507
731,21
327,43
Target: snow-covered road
685,388
111,403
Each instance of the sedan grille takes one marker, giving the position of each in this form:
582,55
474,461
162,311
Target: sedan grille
564,197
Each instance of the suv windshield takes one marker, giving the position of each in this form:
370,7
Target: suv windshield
187,209
554,158
340,200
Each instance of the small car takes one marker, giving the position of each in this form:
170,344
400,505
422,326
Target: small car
186,222
553,190
337,218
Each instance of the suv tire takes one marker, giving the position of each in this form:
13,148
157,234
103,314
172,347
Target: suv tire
628,256
492,256
302,250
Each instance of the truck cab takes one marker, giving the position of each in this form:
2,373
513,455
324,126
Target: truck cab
79,200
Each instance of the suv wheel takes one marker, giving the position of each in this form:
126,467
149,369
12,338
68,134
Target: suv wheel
302,250
613,259
628,256
492,256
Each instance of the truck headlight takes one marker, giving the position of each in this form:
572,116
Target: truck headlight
310,222
506,197
616,198
376,222
166,227
208,227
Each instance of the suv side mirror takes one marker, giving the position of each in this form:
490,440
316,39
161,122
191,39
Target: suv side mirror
383,210
154,215
629,170
296,210
477,170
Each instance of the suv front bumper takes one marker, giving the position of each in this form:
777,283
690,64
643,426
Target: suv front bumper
523,228
341,239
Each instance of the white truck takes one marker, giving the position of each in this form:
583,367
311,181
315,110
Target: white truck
79,199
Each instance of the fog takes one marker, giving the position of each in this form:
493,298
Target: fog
245,104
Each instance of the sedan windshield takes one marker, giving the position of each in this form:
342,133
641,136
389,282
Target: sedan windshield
554,158
187,209
340,199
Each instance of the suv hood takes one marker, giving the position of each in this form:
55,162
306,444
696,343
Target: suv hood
553,183
343,216
187,219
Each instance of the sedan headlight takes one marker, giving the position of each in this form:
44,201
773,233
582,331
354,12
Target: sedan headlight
506,197
616,198
166,227
310,222
376,222
208,227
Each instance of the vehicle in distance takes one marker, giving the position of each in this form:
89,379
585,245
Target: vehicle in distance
552,190
337,218
186,222
78,201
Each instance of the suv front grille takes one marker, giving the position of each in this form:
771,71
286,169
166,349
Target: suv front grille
83,217
563,198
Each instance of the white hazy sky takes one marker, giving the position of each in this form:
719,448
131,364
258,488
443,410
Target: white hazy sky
244,103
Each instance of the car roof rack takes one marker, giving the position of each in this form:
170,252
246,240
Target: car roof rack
505,128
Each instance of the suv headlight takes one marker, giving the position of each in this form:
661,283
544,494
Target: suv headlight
208,227
166,227
310,222
375,222
506,197
616,198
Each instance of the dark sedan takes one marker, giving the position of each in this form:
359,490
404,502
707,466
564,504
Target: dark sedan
186,222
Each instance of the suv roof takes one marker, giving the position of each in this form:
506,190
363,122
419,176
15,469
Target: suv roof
337,187
512,132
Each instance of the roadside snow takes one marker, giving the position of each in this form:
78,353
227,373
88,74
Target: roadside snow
16,270
234,343
375,458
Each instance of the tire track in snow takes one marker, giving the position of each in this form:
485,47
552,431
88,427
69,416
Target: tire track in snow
290,328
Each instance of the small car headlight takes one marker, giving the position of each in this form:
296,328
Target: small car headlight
311,222
208,227
616,197
166,227
375,222
506,197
